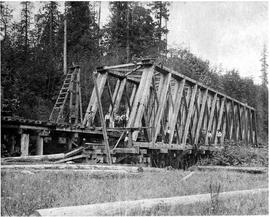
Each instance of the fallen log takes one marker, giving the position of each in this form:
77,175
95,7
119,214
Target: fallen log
34,158
80,166
73,152
94,173
235,169
116,208
71,158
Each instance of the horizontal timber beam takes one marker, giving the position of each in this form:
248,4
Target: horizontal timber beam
160,145
122,76
144,62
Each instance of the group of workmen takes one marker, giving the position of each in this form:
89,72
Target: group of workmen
209,137
202,137
116,120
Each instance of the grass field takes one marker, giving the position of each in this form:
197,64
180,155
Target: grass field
22,193
251,205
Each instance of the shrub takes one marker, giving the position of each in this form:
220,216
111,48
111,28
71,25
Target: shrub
237,154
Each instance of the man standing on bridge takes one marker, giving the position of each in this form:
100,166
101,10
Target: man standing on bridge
91,117
209,137
219,135
107,119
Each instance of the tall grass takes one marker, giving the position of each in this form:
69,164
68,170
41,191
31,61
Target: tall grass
242,205
22,193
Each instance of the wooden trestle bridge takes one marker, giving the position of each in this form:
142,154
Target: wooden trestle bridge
164,113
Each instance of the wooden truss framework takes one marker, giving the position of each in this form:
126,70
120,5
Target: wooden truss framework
163,102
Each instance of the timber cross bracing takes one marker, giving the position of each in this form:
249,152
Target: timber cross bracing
170,107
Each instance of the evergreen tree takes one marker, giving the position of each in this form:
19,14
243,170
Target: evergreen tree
264,67
6,16
7,63
263,104
82,41
118,33
142,32
6,43
161,13
25,25
48,22
82,32
130,32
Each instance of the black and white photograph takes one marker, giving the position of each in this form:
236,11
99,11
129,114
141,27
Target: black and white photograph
134,108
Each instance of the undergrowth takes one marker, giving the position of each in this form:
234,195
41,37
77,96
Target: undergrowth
237,154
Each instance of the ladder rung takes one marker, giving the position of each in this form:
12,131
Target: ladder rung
63,91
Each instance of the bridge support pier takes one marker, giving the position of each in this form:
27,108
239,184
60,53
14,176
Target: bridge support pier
39,145
24,144
13,143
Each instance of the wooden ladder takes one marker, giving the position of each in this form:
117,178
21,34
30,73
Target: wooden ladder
63,95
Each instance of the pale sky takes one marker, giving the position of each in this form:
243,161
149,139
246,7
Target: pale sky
230,34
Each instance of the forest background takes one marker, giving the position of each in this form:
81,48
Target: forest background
32,55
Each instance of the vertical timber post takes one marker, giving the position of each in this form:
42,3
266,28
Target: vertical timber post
111,108
77,97
255,128
220,115
69,143
210,122
13,143
202,113
250,127
177,99
102,120
190,112
80,95
71,90
92,105
232,120
65,42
